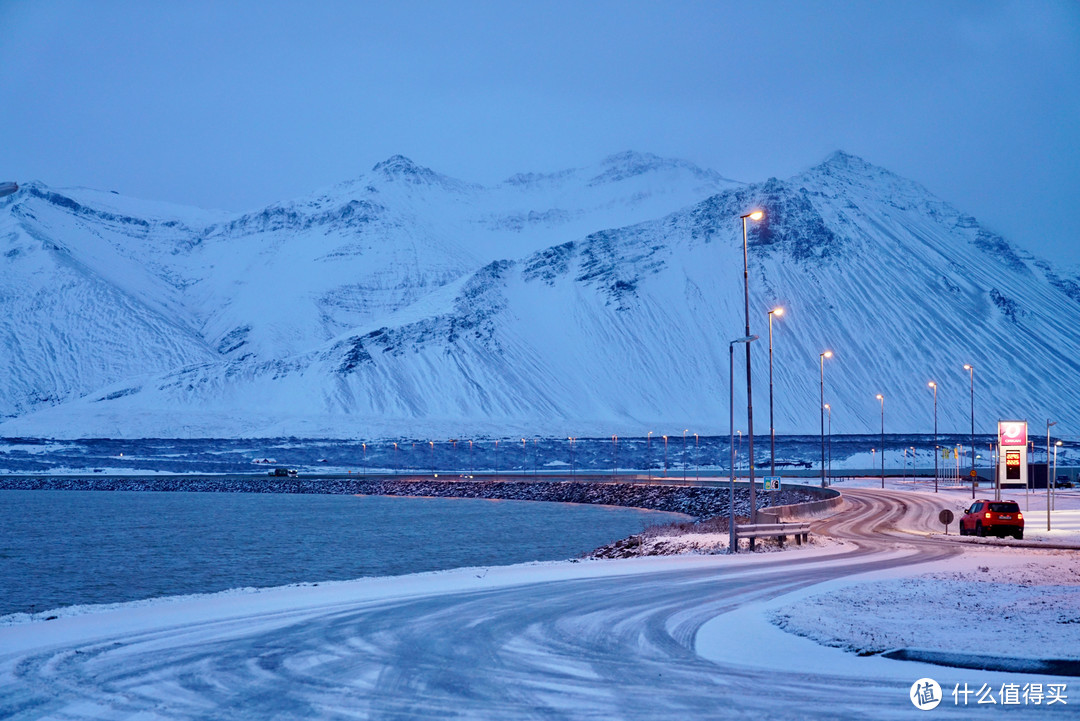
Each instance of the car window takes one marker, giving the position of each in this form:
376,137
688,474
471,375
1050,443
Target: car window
1004,507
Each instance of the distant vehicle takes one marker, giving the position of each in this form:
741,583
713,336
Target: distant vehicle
996,518
287,472
1062,482
8,188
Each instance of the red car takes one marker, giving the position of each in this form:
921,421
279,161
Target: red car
998,518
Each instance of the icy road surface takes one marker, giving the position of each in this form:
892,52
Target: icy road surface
668,638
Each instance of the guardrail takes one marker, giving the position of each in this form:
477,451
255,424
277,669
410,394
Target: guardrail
780,531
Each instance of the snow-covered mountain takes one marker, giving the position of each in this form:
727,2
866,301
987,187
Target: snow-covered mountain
591,301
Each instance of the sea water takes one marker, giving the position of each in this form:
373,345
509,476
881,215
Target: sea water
60,548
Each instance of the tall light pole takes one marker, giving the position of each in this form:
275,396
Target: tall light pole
882,399
754,215
697,459
733,546
933,385
665,456
1053,496
826,354
971,371
648,452
828,432
772,425
684,432
1048,484
573,468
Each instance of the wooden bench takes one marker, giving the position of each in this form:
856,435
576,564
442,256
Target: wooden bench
772,530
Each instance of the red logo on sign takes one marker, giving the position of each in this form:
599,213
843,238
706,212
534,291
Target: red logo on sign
1012,433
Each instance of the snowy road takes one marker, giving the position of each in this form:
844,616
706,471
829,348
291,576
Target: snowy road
604,640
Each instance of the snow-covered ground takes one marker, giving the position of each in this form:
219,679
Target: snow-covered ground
575,638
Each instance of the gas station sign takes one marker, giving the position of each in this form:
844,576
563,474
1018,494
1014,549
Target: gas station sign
1012,454
1012,433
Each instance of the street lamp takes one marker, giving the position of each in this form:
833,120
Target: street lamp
432,444
971,371
697,459
648,452
1048,484
524,457
733,546
684,432
828,421
772,425
753,215
882,399
933,385
573,468
1053,495
665,456
826,354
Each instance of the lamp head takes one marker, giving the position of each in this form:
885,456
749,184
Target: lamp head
828,407
1058,443
776,311
967,366
931,384
755,215
827,354
880,397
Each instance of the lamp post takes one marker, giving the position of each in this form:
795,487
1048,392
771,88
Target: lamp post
971,372
1053,495
733,546
614,456
882,399
432,444
397,467
524,456
697,459
1048,484
754,215
648,452
665,456
573,468
496,459
828,421
472,466
772,425
933,385
365,458
826,354
684,432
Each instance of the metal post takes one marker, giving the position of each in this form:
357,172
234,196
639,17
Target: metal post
971,370
933,385
684,454
749,385
772,423
733,546
882,399
1048,424
822,359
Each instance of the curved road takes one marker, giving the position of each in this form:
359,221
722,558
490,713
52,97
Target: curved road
614,646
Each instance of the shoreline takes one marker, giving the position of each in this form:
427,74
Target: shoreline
698,502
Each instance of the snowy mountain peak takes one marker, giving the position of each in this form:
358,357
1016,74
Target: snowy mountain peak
398,168
629,163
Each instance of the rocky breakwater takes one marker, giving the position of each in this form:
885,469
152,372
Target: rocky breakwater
698,502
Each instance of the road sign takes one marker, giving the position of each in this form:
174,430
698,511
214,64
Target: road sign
974,473
772,483
946,516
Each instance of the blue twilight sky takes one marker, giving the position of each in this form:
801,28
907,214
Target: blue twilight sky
235,105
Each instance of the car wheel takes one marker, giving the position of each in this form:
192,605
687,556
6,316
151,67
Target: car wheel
1019,535
979,530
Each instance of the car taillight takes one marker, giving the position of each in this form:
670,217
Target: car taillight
1019,516
987,515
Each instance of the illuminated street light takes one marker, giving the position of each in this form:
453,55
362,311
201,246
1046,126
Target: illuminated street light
684,432
933,385
753,215
772,426
826,354
971,371
648,452
1049,423
882,399
1053,495
733,543
665,456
